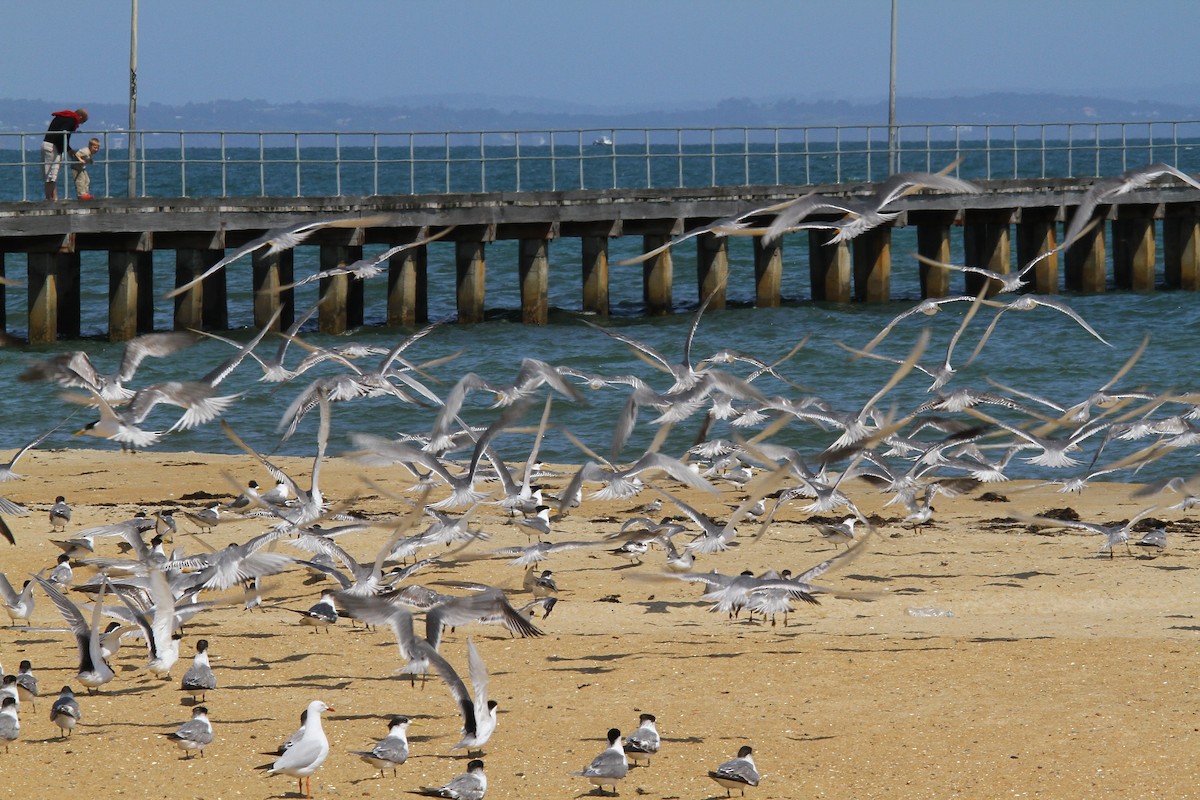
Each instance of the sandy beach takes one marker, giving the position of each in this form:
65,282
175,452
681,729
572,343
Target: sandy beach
1061,673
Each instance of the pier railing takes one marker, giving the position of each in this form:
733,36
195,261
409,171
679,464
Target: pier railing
334,163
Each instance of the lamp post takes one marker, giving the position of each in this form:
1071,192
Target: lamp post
893,154
133,100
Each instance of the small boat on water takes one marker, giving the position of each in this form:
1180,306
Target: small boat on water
603,141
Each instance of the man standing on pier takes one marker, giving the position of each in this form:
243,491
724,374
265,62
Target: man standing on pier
56,143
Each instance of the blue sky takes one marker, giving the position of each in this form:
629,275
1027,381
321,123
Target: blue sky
603,52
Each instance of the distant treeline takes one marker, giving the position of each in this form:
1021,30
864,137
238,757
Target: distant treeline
481,113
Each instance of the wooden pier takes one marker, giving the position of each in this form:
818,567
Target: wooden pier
49,239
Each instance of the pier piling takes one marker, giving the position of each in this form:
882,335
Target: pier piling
43,303
269,272
1036,234
986,244
1181,248
768,273
873,265
933,242
471,267
828,268
124,295
408,285
1085,268
343,308
595,274
1133,248
656,276
534,270
712,268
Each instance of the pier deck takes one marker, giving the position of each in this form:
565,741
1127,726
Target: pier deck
50,239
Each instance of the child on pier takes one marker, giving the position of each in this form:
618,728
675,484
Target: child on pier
83,157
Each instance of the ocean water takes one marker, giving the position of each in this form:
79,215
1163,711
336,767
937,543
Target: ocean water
1041,352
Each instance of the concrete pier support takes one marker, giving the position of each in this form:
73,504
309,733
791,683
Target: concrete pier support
203,305
471,268
1133,248
343,307
768,273
656,276
269,273
3,301
408,287
534,270
69,301
595,275
127,294
712,268
1085,267
986,244
933,242
1181,249
43,298
1035,236
873,265
145,299
828,268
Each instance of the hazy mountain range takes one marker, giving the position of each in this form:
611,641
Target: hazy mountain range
483,112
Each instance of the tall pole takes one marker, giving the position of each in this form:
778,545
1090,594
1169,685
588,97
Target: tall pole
133,100
893,154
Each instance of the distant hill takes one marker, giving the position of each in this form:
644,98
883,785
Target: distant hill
480,112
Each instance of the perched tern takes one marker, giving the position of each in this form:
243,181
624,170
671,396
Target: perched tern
610,767
471,785
195,734
737,773
199,678
65,712
391,751
644,742
60,514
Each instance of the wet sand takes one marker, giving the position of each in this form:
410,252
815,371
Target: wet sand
1060,674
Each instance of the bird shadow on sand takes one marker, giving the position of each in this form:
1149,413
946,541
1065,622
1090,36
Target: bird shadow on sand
595,657
583,670
27,642
663,606
53,739
382,720
809,738
253,635
684,739
300,682
103,727
257,663
248,721
869,578
709,655
286,795
141,688
885,649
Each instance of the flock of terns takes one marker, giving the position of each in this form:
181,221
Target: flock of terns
746,406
